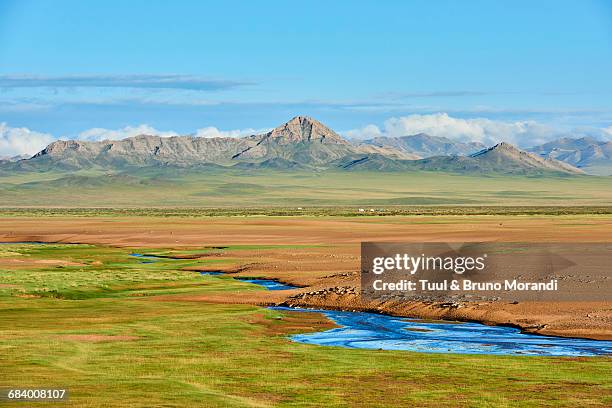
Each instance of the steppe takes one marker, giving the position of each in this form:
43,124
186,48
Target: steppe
321,255
81,313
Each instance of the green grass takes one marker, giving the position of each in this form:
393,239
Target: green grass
103,272
231,188
197,354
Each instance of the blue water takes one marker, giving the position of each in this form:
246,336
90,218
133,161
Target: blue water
362,330
268,284
375,331
150,258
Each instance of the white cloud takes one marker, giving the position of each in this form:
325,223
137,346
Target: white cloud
367,132
487,131
18,141
212,131
99,134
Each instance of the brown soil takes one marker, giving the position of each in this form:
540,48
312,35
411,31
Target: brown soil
294,322
327,269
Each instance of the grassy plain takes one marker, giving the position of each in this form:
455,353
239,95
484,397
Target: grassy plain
89,318
173,187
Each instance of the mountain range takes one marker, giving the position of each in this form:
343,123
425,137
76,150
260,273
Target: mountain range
6,159
587,153
423,145
305,143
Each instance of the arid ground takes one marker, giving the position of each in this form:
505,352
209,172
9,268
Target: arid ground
321,255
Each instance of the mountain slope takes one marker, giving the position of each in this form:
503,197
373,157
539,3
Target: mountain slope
502,158
422,145
507,157
386,151
587,153
8,159
301,143
302,140
138,151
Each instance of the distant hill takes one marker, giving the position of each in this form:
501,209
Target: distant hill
501,158
302,143
373,162
506,156
586,153
10,159
422,145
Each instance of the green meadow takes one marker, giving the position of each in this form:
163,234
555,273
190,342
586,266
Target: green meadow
93,325
173,187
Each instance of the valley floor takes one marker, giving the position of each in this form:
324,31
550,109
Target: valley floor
111,328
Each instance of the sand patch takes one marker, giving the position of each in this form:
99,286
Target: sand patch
293,322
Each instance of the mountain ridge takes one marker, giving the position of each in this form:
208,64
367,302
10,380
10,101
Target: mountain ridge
424,145
503,157
503,152
585,153
300,143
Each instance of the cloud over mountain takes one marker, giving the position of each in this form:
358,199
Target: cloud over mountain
487,131
98,134
18,141
481,130
212,131
302,142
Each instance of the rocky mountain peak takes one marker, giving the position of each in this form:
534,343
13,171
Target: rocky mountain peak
305,129
58,147
500,148
505,146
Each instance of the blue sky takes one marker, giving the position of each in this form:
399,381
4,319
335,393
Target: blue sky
69,66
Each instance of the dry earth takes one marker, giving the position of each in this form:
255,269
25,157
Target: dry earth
327,270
